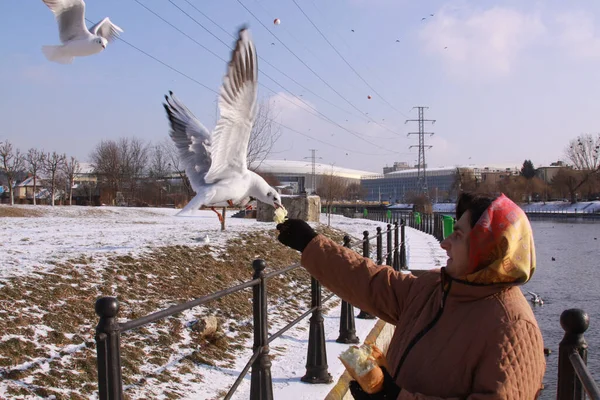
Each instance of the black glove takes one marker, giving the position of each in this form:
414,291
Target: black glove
390,390
295,233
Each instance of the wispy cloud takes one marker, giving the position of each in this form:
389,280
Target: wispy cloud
480,43
577,35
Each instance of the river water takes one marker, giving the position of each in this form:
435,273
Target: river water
571,281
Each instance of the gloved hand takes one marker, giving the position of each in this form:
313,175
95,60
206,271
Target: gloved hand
295,233
390,390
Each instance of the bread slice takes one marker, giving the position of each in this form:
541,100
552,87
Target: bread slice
364,367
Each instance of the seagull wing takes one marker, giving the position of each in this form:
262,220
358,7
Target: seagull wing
106,29
237,106
70,15
191,139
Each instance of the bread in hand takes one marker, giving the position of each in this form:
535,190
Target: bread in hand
364,367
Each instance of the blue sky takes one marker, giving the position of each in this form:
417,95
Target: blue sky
504,80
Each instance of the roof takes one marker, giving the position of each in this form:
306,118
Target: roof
305,167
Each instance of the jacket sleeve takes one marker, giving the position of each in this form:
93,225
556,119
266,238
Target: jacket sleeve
376,289
512,366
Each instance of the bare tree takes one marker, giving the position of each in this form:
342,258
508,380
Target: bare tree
583,153
120,164
264,135
35,162
12,163
331,187
70,168
53,165
133,155
107,166
159,162
176,166
355,191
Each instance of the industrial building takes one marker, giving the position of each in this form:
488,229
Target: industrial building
298,175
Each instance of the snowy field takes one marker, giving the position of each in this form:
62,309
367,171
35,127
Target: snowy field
34,246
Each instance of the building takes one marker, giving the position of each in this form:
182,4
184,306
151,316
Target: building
297,175
548,173
395,187
398,166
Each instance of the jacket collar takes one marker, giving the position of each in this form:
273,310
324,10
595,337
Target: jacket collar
463,291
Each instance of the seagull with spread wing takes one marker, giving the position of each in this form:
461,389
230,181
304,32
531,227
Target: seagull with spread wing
215,163
77,40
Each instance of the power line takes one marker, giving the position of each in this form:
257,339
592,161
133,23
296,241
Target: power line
319,114
182,32
421,165
313,71
259,57
217,93
313,159
346,61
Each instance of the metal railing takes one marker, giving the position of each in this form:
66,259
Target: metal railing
108,330
574,378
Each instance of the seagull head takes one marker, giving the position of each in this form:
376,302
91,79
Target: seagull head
101,41
261,190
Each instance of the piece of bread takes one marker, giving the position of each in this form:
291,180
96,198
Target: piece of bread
378,355
363,367
279,215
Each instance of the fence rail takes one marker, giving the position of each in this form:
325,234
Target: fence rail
574,378
108,330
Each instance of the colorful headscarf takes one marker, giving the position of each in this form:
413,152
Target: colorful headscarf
501,245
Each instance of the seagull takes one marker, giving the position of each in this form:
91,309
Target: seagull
215,163
77,40
536,299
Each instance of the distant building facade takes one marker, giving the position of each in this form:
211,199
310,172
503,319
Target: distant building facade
297,175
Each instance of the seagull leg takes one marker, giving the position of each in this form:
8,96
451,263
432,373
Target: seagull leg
230,202
218,215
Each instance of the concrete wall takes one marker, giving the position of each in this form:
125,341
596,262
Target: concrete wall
307,208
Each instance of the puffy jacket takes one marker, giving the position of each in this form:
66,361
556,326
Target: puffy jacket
455,338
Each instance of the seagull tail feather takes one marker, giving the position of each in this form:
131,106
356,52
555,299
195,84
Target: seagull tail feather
54,53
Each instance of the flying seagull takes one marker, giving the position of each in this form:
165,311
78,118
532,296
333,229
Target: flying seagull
216,163
77,40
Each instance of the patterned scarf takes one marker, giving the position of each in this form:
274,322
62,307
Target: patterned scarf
501,245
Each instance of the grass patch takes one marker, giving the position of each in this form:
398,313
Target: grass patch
53,312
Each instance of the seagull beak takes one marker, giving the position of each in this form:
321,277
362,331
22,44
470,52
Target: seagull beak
277,205
103,46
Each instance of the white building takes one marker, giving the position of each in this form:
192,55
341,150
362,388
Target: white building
298,174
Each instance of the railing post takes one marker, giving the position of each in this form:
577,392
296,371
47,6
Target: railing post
347,326
110,385
396,246
388,258
379,241
574,322
366,254
261,386
316,363
402,244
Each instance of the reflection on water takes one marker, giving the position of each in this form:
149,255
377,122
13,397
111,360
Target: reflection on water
571,281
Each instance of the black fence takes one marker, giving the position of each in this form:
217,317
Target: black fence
108,330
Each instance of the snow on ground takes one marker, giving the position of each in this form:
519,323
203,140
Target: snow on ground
32,244
563,206
423,251
61,233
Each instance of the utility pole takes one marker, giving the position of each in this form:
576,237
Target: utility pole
314,158
421,165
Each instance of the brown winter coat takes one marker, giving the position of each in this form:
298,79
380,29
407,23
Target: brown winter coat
453,340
